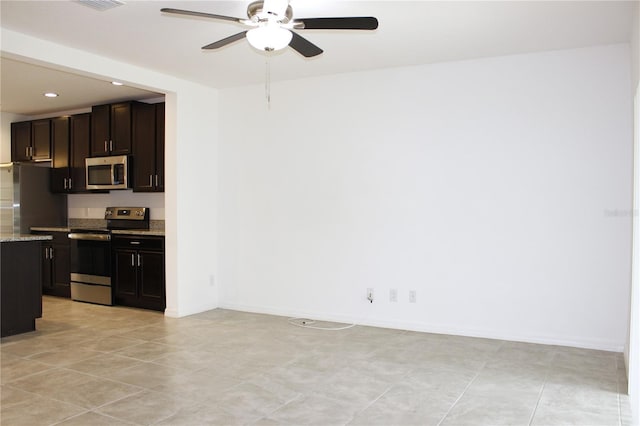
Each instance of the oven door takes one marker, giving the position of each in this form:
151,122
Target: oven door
91,268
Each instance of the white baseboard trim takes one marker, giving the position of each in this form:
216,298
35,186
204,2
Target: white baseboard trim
175,313
585,343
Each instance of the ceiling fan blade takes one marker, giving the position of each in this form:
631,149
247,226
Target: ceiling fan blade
220,43
352,23
304,46
200,14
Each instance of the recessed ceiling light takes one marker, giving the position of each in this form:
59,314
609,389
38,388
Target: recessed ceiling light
51,95
116,83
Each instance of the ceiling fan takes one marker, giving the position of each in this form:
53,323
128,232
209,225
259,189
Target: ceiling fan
271,23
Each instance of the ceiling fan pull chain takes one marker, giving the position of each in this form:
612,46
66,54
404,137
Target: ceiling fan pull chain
267,80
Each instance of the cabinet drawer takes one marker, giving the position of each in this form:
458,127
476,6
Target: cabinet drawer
135,242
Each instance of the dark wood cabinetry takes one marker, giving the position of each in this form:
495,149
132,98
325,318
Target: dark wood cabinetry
111,129
20,141
60,155
56,265
31,140
70,146
160,111
116,129
138,271
148,147
80,125
20,294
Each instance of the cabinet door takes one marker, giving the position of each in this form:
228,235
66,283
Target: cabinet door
100,129
125,274
160,146
47,268
121,129
20,141
60,154
61,269
144,147
41,139
80,150
151,280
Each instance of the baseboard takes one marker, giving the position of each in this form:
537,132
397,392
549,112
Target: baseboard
602,345
175,313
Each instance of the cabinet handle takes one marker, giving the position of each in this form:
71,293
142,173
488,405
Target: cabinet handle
110,145
134,243
51,253
46,253
106,148
157,180
133,260
151,181
64,183
139,260
69,183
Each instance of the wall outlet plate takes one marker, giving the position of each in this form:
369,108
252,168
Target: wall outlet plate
370,295
393,295
412,296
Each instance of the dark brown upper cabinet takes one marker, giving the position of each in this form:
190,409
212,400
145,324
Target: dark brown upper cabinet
31,140
60,155
111,129
70,142
148,147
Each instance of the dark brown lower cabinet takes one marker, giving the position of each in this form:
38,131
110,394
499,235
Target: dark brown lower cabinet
20,291
138,271
56,265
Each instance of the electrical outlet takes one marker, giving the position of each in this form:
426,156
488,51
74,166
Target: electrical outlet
370,295
393,295
412,296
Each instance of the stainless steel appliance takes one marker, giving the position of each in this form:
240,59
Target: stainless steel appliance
107,172
91,254
26,199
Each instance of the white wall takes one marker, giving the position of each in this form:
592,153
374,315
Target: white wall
191,138
632,353
495,188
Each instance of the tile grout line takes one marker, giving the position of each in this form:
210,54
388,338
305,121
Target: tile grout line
462,394
535,408
618,392
544,384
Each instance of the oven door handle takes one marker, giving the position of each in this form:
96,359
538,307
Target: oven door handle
90,237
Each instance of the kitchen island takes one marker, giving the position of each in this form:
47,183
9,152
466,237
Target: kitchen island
20,282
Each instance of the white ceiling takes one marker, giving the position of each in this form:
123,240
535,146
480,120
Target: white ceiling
410,33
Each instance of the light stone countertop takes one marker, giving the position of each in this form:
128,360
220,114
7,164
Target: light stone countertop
51,228
142,232
12,238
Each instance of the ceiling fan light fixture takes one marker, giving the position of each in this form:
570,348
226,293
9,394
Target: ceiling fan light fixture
269,37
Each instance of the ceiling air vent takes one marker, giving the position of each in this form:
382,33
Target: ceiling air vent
101,5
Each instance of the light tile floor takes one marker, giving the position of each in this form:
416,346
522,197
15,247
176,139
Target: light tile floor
97,365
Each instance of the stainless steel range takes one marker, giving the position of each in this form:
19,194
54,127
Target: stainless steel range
91,254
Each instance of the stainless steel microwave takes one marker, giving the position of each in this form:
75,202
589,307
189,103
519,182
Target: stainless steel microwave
107,172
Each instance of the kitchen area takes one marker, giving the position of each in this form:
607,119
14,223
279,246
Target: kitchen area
82,207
